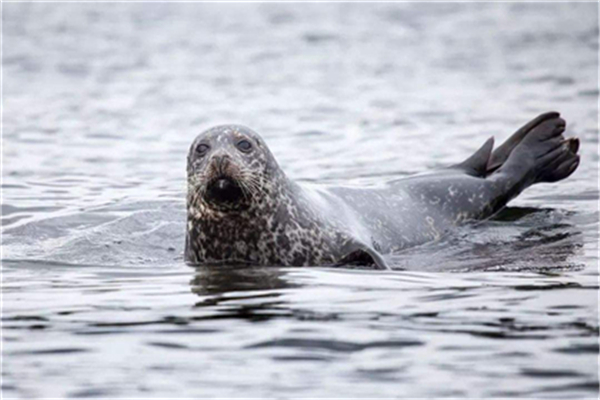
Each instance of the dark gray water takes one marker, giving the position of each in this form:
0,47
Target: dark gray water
101,102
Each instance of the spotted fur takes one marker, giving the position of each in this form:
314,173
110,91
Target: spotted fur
273,226
281,222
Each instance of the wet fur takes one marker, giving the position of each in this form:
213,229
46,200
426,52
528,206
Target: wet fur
273,228
281,222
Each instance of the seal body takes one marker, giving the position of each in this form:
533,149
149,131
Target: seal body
241,208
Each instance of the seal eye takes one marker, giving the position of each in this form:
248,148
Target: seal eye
244,145
202,149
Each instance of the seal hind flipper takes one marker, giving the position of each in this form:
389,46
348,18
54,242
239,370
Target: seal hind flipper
500,154
477,164
485,161
565,162
541,154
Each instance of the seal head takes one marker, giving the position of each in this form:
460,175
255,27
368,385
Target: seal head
237,198
229,170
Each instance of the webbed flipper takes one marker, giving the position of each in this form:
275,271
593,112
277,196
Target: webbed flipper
500,155
538,152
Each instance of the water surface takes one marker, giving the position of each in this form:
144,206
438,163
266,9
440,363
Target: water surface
101,102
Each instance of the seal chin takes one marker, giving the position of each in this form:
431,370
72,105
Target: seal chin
225,194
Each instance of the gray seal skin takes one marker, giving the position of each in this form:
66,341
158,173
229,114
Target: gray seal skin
241,207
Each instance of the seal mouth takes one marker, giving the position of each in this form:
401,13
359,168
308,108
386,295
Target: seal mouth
224,192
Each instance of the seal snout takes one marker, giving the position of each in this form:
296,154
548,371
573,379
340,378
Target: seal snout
224,191
221,162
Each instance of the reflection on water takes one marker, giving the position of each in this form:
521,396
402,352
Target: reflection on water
222,279
101,102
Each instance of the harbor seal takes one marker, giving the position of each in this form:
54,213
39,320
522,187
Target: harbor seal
241,207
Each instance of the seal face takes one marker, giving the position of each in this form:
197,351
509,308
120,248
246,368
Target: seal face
228,168
241,208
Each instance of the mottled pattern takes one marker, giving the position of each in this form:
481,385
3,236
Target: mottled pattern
274,226
280,222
